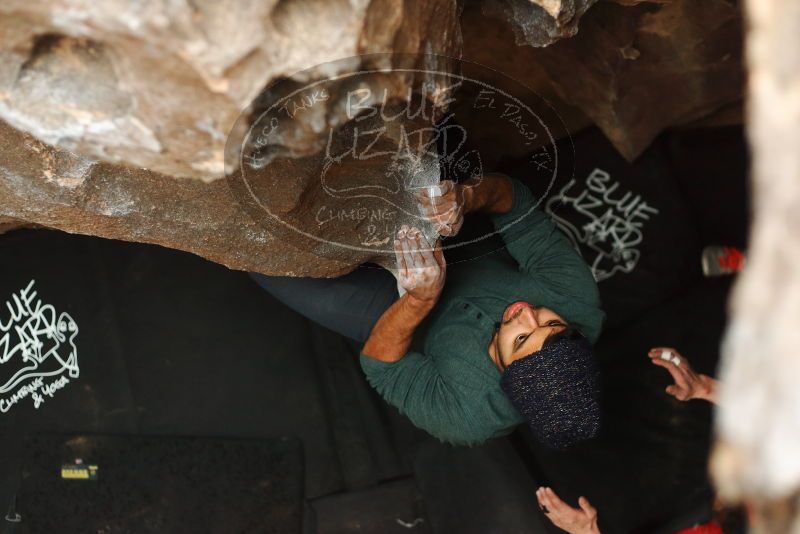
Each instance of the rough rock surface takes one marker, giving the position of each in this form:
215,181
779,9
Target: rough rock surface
159,84
539,22
8,224
639,68
758,422
139,98
55,188
135,103
497,47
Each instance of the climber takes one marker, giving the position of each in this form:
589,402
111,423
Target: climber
507,340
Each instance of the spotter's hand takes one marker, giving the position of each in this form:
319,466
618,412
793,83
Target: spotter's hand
420,267
445,210
581,520
688,383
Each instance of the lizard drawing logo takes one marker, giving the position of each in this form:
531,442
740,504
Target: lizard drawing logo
37,344
610,229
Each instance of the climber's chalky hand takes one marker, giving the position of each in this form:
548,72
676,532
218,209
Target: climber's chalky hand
443,206
420,267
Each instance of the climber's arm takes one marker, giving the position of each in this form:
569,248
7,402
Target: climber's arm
391,336
421,272
493,194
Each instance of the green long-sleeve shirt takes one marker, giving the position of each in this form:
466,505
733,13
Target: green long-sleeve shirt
450,387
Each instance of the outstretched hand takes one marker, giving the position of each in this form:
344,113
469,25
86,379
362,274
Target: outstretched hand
445,211
420,267
582,520
688,383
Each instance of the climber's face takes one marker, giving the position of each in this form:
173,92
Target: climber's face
523,330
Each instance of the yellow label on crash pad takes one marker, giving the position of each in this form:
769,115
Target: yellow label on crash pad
79,472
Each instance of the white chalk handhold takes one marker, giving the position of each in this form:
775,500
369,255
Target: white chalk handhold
666,355
434,191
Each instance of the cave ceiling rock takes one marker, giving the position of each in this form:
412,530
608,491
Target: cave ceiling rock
159,84
635,67
115,115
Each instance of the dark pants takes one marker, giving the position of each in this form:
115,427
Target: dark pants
349,305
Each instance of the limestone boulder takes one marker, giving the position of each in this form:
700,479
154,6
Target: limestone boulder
114,116
149,121
635,67
539,22
8,224
159,84
58,189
